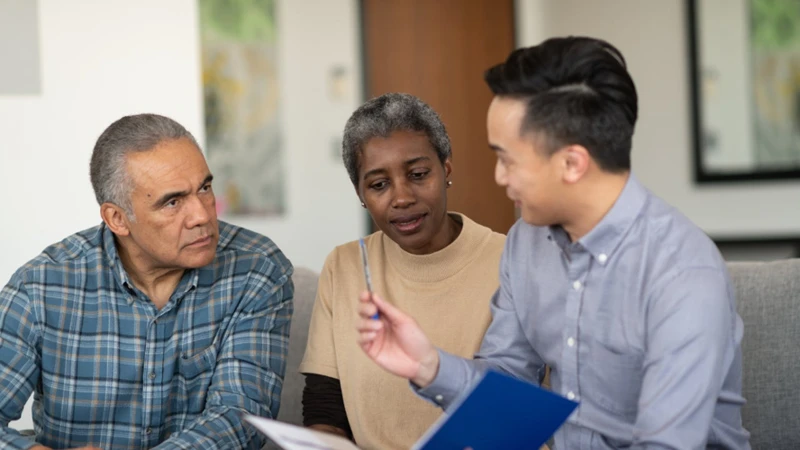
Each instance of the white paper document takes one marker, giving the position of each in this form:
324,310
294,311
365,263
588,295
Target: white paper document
290,437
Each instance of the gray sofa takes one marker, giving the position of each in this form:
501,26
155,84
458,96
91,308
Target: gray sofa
768,299
305,291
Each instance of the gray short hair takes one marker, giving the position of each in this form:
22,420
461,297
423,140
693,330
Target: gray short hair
382,116
136,133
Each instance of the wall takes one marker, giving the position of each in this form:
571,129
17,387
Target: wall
102,59
98,63
652,37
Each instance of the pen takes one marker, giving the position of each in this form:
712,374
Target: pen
367,276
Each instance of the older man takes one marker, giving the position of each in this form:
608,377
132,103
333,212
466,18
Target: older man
157,328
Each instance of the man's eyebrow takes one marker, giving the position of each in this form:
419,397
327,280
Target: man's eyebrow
208,179
177,194
169,196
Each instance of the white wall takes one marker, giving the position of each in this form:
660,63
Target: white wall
98,63
102,59
652,37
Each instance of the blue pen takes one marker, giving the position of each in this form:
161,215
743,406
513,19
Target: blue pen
367,276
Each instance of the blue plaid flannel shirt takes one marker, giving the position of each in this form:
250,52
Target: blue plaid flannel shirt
108,369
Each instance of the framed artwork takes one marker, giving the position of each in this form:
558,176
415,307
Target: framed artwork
745,86
241,100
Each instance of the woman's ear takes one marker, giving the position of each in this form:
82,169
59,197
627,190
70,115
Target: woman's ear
448,168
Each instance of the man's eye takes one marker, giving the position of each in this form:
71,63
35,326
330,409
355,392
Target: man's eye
172,203
205,188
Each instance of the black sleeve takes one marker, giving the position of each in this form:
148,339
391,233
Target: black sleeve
323,403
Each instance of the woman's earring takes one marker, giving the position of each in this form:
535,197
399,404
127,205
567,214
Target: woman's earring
449,183
363,205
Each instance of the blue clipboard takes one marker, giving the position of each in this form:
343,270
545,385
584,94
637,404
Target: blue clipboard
499,412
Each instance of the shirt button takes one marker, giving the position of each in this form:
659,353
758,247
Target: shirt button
571,342
152,375
438,398
571,395
602,257
148,430
576,285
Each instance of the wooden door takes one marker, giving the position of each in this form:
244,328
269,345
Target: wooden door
438,51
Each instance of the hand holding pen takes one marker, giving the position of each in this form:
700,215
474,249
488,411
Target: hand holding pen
367,275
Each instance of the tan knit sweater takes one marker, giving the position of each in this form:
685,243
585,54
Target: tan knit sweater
447,292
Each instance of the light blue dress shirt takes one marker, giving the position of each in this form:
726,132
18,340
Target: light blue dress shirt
637,321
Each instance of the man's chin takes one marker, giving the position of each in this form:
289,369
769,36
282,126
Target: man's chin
534,219
199,260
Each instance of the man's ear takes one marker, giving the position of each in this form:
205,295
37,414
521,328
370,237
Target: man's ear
576,161
115,218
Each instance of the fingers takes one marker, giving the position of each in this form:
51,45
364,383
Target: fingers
375,303
366,307
366,339
367,327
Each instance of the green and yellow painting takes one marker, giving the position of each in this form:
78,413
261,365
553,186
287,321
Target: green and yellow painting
242,105
775,53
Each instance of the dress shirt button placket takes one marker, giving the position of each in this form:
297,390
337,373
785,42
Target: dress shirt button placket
150,381
577,271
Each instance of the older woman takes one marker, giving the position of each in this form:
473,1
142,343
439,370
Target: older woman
444,265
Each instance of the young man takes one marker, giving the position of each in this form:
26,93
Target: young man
624,298
157,328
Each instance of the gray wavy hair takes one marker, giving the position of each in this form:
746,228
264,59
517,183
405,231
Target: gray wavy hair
136,133
382,116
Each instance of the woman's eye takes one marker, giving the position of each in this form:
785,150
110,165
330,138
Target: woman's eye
419,175
378,185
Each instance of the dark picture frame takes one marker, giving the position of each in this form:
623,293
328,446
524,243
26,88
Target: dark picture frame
702,173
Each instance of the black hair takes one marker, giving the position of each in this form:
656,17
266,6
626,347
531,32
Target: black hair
576,90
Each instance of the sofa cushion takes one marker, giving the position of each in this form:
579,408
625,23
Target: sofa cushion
305,291
768,300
